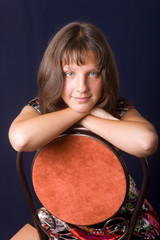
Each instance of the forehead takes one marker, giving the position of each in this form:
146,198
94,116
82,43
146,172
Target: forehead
85,57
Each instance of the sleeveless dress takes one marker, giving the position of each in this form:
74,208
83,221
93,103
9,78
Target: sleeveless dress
147,226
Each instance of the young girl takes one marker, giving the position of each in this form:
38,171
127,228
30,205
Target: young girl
78,83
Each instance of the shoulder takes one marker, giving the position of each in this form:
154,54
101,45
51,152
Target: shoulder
35,104
123,105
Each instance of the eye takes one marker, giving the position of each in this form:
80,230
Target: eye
94,74
69,74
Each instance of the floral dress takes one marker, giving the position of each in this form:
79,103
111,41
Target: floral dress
147,226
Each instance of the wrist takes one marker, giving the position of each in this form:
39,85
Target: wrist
84,120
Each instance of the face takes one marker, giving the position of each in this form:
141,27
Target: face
82,84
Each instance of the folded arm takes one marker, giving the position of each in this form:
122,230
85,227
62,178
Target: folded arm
30,130
132,133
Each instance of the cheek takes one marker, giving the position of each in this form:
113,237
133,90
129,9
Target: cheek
67,89
63,92
97,88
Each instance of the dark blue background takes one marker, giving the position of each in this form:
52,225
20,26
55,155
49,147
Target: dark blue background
133,30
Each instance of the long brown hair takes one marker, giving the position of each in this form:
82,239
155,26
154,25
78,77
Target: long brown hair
69,44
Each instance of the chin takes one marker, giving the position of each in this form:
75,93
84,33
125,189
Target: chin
82,109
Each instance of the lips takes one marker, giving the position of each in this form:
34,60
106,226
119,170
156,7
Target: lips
82,99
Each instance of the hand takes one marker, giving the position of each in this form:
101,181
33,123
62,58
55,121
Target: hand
99,112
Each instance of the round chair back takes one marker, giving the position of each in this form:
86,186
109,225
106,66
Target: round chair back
80,179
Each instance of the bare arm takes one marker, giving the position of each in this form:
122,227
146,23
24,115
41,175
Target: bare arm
30,130
132,134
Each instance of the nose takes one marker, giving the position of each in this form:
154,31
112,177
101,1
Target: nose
82,85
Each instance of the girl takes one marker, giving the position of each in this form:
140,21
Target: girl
78,83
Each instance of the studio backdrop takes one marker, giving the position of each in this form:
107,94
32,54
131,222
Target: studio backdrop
26,26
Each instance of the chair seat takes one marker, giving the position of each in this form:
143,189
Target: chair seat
83,182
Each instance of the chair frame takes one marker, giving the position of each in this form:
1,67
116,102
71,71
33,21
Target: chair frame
83,132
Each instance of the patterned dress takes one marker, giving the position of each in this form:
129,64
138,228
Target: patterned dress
147,226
